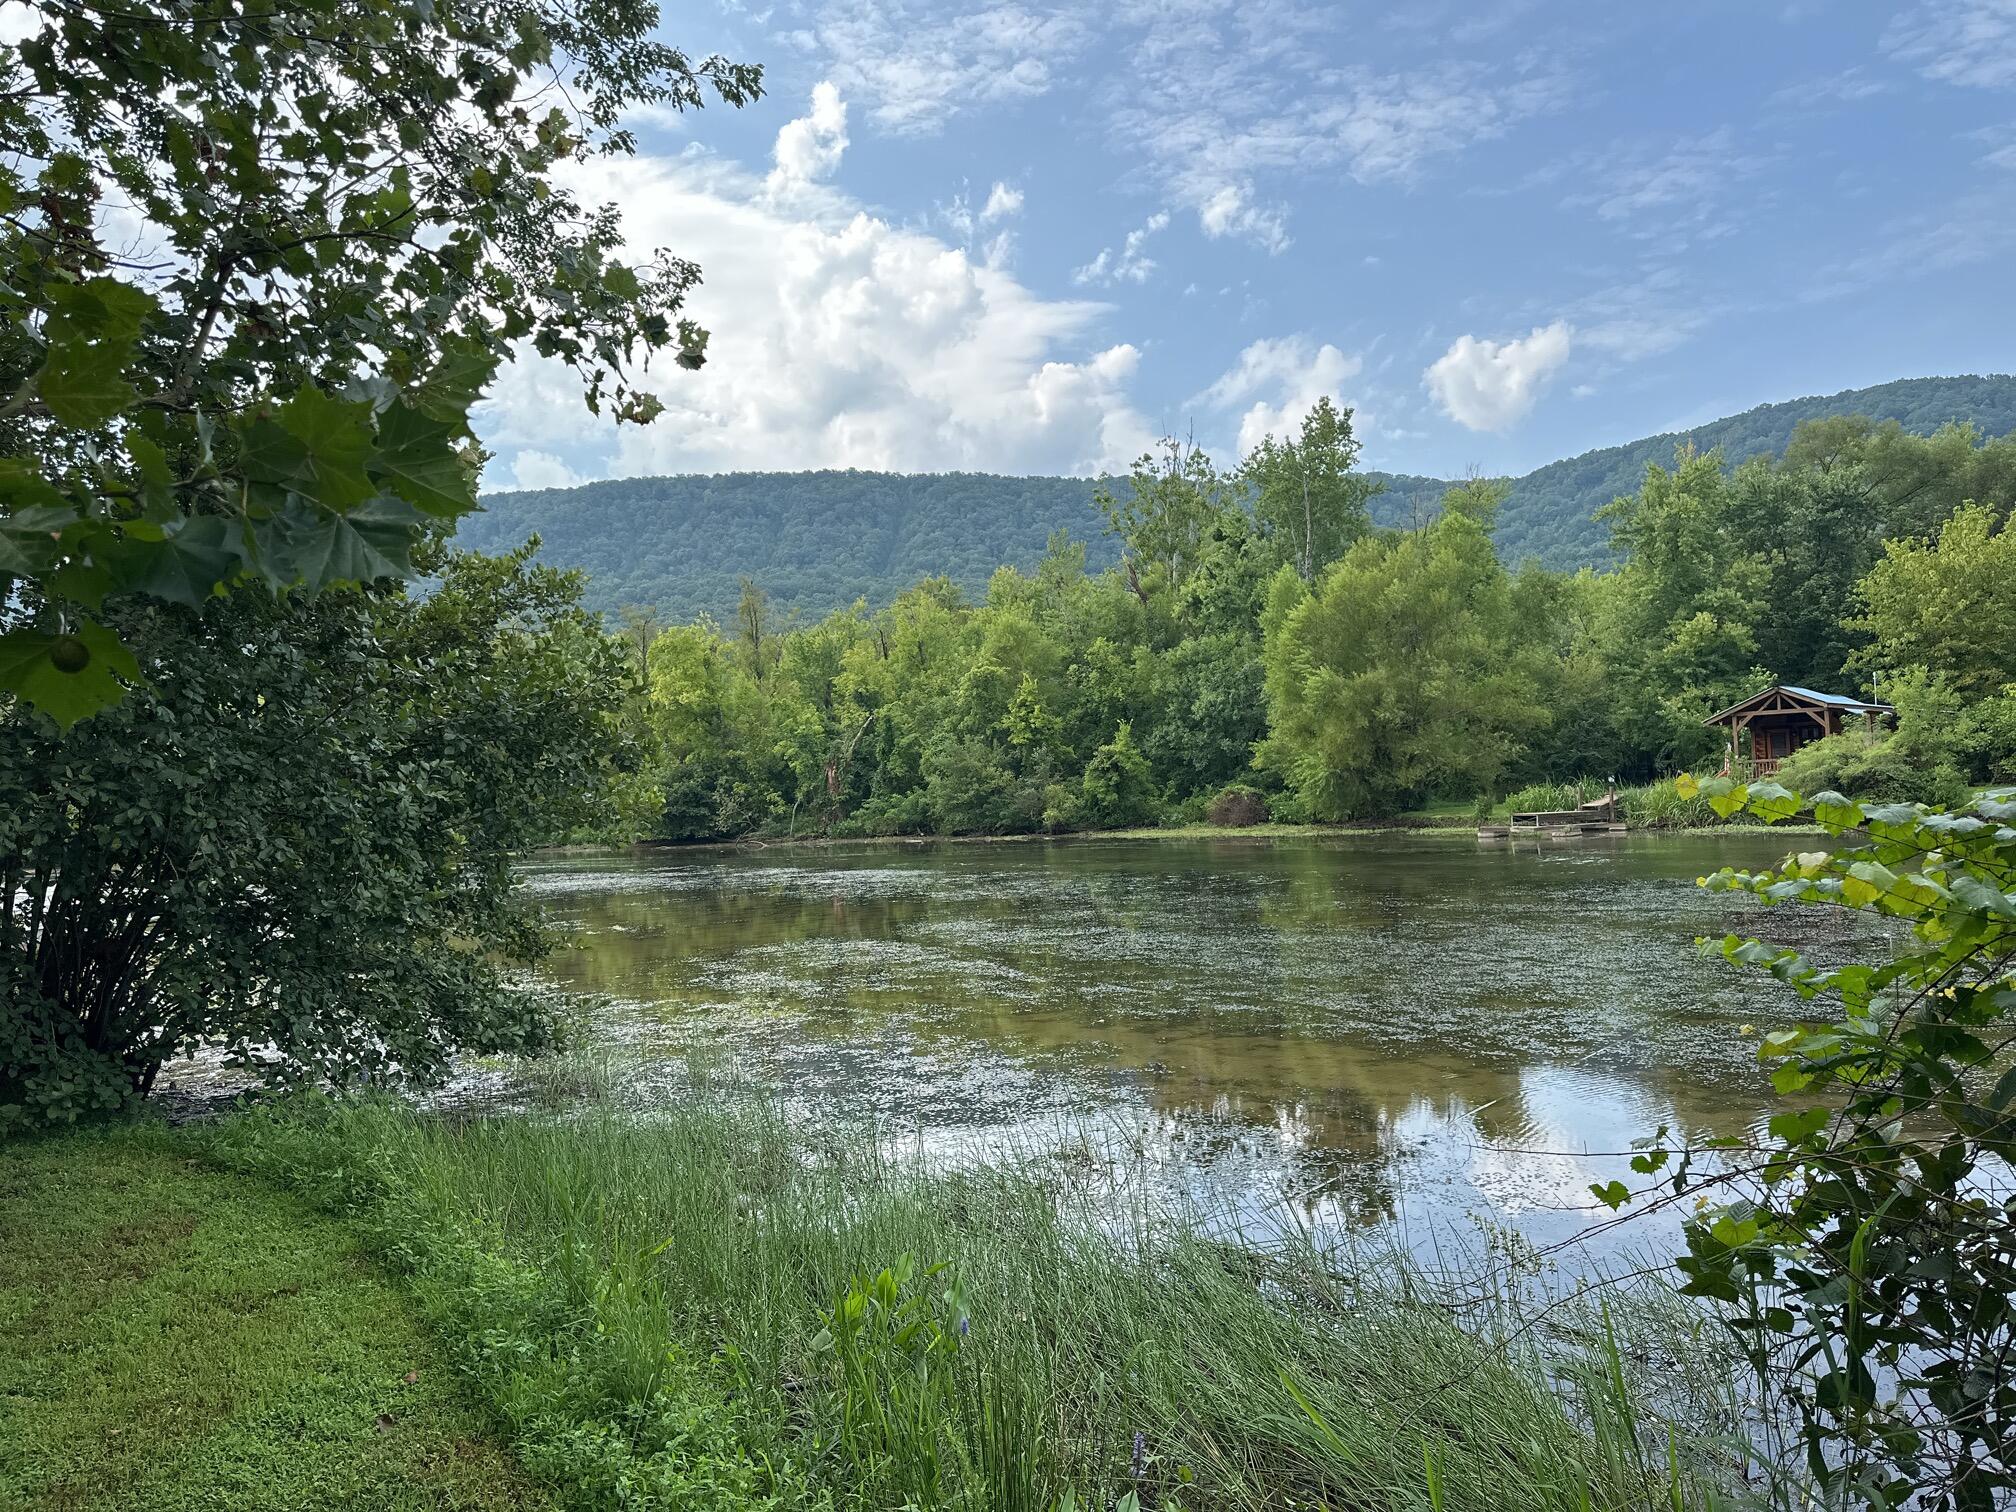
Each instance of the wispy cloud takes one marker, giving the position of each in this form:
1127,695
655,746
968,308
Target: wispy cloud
914,66
1978,227
1686,187
1129,262
1971,42
1848,87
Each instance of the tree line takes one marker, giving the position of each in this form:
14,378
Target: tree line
1261,646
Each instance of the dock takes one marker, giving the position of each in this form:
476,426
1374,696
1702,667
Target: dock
1599,816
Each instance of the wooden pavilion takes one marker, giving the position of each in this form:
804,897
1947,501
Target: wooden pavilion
1783,718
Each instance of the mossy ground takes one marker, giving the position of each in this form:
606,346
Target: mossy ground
173,1337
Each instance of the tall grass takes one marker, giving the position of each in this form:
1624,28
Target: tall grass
706,1310
1550,797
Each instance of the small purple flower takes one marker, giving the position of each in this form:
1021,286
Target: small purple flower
965,1327
1140,1465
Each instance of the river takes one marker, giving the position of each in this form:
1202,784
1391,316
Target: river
1427,1036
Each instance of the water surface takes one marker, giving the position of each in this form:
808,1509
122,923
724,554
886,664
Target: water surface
1422,1035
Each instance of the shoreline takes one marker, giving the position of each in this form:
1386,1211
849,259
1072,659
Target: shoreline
1402,825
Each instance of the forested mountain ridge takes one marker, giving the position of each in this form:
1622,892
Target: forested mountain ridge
816,541
1549,513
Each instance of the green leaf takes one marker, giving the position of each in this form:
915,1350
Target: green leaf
183,567
91,329
1835,811
1976,894
30,539
419,460
1612,1194
335,440
84,386
1771,802
45,671
1797,1128
1729,802
370,542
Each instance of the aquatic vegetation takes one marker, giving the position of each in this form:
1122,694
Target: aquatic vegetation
703,1309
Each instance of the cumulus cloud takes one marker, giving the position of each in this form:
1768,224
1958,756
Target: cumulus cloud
533,468
1490,385
1130,262
840,340
810,147
1279,379
1970,42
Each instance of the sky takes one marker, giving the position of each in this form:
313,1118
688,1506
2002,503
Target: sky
1032,238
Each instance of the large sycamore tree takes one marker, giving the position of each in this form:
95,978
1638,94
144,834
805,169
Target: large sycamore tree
259,259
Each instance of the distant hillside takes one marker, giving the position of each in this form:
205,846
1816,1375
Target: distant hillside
816,541
1548,512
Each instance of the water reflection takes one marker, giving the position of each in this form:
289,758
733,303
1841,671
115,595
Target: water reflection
1383,1030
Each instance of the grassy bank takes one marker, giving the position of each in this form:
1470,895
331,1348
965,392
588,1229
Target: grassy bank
172,1337
707,1311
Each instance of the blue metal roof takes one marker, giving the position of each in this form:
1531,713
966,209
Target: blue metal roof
1839,700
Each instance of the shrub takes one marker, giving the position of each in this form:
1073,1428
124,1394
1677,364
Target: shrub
1862,1241
1238,806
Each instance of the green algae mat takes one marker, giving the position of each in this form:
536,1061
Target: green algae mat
176,1338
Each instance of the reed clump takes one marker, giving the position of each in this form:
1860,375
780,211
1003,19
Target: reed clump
710,1309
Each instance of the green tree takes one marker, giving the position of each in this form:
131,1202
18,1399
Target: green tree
1948,605
1681,637
293,845
1117,789
1173,496
1402,674
1305,493
348,212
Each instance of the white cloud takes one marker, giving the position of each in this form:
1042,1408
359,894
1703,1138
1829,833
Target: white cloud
18,22
810,147
914,67
840,340
1004,202
1228,105
1971,42
1283,377
1228,212
533,468
1130,263
1490,385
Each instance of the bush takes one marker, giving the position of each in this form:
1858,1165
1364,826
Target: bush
1881,768
1238,806
1861,1241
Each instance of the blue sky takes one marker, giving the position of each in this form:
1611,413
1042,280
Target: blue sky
1030,238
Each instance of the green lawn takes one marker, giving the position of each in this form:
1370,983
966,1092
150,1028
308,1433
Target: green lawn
172,1337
